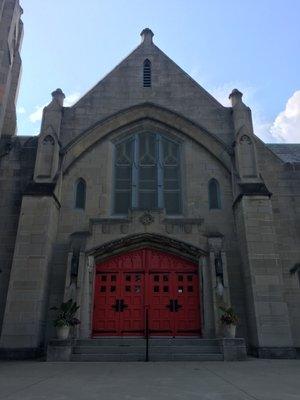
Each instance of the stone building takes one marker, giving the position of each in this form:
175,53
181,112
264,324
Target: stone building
147,198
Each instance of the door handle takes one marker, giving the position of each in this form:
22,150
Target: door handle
170,306
122,305
176,306
116,306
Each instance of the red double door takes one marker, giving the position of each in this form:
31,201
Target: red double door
146,283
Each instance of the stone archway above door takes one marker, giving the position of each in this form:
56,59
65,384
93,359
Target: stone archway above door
151,240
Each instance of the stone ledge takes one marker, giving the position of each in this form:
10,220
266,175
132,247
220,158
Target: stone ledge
21,353
59,350
233,349
274,352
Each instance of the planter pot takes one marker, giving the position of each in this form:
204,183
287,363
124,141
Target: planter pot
62,332
229,331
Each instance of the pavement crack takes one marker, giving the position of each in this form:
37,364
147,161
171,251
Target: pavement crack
232,384
29,386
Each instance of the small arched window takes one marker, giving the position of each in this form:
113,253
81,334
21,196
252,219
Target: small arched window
214,195
80,194
147,73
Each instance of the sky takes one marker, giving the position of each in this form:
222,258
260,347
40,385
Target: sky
252,45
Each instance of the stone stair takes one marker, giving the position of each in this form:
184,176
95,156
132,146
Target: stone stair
134,349
184,349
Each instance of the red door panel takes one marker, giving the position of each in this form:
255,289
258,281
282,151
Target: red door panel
132,319
187,316
107,291
165,285
160,318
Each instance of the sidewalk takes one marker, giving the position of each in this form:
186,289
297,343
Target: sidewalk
253,379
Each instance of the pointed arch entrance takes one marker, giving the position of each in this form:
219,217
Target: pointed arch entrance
146,288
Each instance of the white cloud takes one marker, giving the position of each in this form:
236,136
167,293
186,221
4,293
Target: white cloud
71,99
21,110
286,126
36,116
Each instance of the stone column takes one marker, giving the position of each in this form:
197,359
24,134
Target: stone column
86,299
268,319
207,299
27,300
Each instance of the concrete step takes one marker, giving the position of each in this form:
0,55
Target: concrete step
108,357
153,341
111,342
184,349
186,357
134,349
183,342
141,357
120,349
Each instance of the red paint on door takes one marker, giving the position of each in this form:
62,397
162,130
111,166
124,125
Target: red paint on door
129,284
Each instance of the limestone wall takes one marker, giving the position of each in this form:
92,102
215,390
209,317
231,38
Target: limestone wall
194,226
283,180
171,88
17,158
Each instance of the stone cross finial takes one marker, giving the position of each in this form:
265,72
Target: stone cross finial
147,36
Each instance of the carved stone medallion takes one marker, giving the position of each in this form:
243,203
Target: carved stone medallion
146,219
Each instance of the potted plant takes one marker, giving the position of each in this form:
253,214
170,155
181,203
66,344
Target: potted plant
229,321
65,318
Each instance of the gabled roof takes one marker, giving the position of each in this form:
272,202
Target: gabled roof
171,88
144,47
287,152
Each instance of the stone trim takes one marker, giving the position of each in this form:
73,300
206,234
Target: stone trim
145,112
41,189
127,243
252,189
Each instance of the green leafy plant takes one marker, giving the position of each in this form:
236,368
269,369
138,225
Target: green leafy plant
228,316
66,314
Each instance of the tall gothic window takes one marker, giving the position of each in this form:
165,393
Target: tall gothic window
80,194
214,196
147,73
147,174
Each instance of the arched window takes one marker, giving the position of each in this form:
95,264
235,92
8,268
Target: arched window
80,194
147,174
214,195
147,73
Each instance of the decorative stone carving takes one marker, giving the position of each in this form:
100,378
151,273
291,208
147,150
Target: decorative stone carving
188,228
105,228
245,139
146,219
169,228
48,140
124,228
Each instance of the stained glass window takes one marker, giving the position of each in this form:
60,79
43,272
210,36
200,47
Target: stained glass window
147,174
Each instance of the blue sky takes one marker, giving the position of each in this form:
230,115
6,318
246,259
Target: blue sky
252,45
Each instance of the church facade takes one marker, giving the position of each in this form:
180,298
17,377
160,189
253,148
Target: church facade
148,203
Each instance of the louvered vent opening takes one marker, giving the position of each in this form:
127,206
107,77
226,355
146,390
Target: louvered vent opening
147,74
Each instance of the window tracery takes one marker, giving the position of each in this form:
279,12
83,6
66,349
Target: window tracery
147,174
